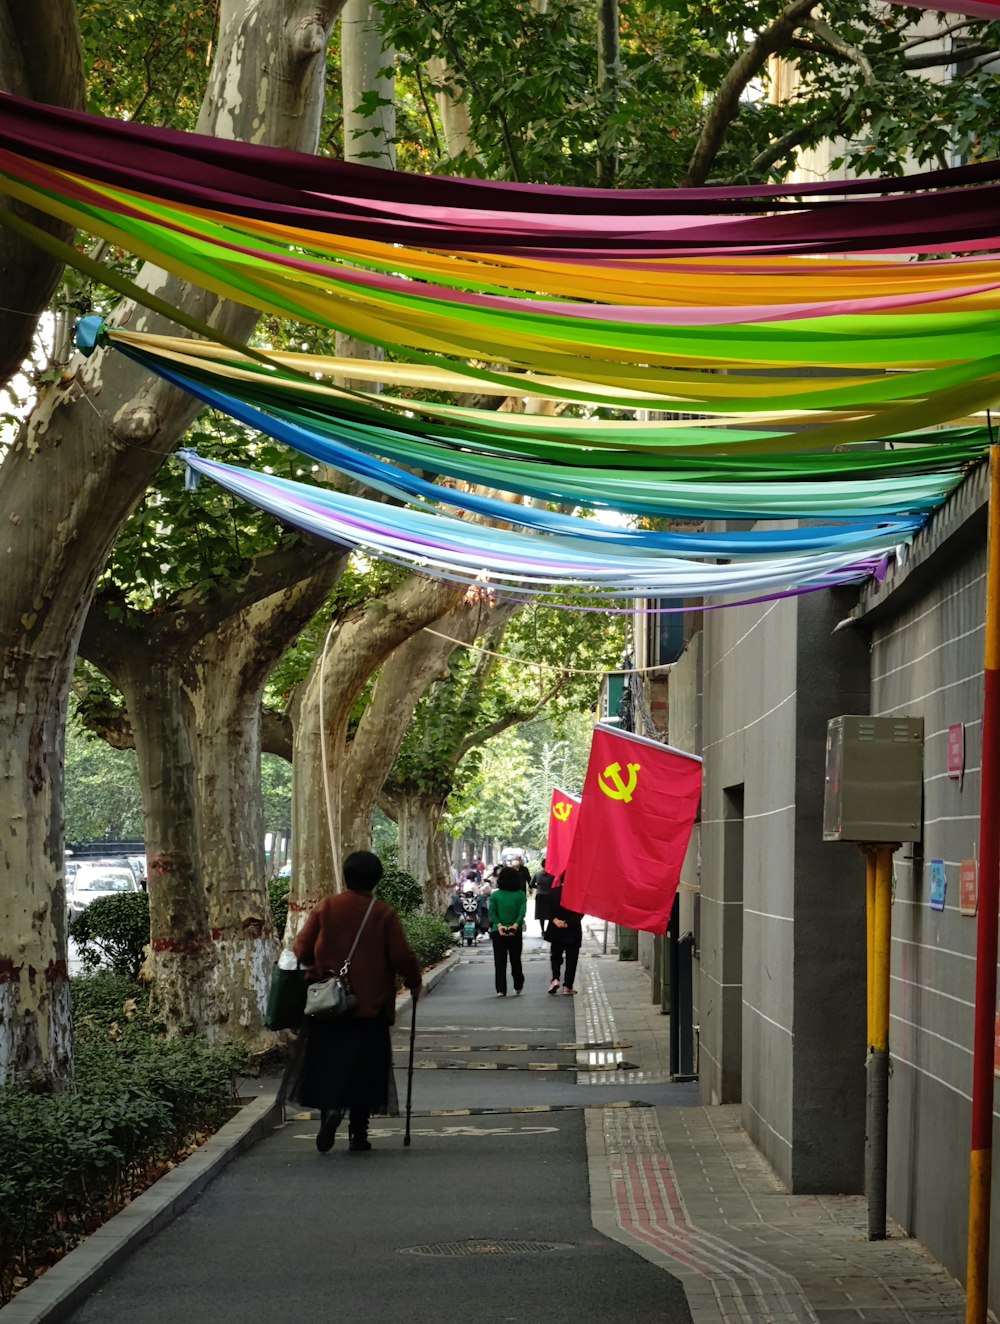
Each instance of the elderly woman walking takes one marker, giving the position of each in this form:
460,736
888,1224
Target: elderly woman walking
508,905
347,1064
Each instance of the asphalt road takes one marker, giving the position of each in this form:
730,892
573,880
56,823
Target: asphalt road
392,1235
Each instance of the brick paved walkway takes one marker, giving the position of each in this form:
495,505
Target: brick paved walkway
686,1189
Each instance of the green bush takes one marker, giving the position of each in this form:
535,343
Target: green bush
401,890
113,930
431,938
277,899
139,1100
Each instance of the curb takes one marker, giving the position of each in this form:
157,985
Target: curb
78,1274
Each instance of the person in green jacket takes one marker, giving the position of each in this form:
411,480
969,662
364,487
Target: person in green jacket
508,904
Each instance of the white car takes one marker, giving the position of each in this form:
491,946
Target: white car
91,880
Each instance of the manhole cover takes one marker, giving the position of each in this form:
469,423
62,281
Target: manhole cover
474,1247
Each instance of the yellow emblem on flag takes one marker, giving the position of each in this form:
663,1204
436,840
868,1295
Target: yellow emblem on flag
562,810
619,790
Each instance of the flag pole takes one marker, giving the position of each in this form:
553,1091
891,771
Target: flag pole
981,1157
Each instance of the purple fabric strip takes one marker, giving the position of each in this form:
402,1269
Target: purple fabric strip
85,134
212,173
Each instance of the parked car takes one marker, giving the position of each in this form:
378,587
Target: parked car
285,871
137,863
93,879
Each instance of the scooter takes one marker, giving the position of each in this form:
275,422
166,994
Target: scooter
470,918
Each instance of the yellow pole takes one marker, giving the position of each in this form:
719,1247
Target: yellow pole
881,947
870,854
878,1044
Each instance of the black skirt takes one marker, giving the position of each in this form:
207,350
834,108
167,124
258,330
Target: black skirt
347,1063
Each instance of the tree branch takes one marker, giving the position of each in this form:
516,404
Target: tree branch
946,31
516,717
276,733
842,47
102,717
726,106
268,573
774,151
463,68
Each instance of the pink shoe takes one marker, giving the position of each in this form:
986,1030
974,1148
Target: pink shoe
568,992
554,986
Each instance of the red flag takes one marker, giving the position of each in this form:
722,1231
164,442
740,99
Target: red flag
563,815
639,804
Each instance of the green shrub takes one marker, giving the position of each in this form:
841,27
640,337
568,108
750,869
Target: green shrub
113,929
139,1100
431,938
277,899
105,999
401,890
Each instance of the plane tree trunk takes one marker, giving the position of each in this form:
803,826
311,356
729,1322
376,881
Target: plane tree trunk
192,675
72,475
357,644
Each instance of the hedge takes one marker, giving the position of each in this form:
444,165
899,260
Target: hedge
431,938
113,931
139,1102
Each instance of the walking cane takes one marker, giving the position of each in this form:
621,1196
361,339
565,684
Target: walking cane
409,1074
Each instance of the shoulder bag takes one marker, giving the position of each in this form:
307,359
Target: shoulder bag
326,999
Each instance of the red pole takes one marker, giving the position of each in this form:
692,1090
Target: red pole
981,1159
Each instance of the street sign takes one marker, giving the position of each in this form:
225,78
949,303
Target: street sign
968,887
956,751
939,883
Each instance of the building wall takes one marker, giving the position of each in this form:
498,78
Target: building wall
927,661
747,844
684,732
781,1001
829,916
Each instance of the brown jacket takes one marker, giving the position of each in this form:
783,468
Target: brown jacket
381,954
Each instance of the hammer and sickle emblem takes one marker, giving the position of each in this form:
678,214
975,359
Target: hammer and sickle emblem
619,790
562,810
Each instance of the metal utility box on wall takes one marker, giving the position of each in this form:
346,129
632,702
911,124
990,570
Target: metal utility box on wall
874,779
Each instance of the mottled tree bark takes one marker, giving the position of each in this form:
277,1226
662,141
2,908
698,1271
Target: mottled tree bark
453,108
192,674
402,681
366,68
356,646
421,851
67,483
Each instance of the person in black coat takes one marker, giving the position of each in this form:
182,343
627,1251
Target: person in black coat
542,883
519,867
565,933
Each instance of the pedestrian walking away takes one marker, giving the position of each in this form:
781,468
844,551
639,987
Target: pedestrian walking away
565,933
347,1061
521,869
508,905
542,883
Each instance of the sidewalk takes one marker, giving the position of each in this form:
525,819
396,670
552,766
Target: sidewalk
685,1188
530,1135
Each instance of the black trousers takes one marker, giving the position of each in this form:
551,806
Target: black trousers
508,945
570,948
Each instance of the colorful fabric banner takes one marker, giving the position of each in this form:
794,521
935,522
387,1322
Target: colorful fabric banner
524,563
563,815
715,306
640,799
